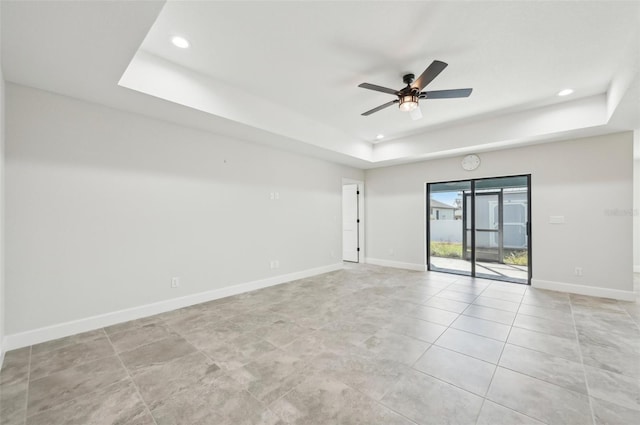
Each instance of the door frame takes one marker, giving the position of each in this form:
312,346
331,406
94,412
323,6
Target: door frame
361,213
472,182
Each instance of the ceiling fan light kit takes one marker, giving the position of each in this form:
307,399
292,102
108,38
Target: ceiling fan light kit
408,103
409,96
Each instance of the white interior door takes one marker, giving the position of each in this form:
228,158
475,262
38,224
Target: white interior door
350,236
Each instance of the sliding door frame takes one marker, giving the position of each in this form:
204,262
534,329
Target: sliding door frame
472,200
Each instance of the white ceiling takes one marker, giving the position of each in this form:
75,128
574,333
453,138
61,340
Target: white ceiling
286,73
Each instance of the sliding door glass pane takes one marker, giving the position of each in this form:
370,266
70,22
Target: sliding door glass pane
448,237
501,228
488,235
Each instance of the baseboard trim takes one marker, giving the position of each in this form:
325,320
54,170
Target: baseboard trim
48,333
636,269
396,264
593,291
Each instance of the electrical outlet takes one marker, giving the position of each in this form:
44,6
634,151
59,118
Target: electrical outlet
277,264
578,271
175,282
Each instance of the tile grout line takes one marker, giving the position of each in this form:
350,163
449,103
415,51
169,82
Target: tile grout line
208,357
313,372
540,332
486,392
465,354
632,318
450,384
479,334
513,410
584,369
484,397
542,352
26,397
63,370
496,369
224,371
68,343
449,325
483,318
477,395
130,378
101,357
434,343
379,402
268,406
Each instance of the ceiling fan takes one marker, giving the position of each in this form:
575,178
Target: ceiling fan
408,97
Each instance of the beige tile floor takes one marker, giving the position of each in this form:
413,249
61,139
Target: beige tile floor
365,345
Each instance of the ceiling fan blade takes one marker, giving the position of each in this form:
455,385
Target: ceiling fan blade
429,74
380,107
416,114
378,88
445,94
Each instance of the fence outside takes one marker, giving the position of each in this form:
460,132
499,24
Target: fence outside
446,231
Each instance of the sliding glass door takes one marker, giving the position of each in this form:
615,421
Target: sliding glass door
486,232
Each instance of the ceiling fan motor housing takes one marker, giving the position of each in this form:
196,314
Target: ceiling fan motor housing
408,78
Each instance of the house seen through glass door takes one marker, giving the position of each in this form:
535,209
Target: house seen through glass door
480,228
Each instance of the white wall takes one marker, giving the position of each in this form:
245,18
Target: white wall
636,215
105,207
583,180
2,295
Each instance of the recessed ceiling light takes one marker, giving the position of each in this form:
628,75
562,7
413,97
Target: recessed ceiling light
565,92
180,42
380,137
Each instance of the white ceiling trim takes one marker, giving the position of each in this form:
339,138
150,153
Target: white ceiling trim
157,77
513,129
163,79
